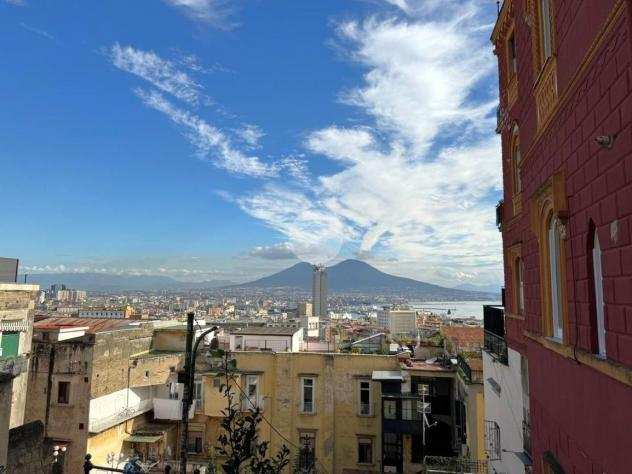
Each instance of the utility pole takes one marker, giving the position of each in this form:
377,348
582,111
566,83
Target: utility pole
186,395
188,381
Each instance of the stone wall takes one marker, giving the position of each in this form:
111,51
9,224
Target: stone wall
29,451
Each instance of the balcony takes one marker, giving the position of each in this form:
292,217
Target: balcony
170,409
407,418
11,367
464,368
496,347
494,323
526,436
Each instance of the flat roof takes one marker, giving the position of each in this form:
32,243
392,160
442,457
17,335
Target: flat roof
91,325
266,331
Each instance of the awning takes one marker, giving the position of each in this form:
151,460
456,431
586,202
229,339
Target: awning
392,375
143,438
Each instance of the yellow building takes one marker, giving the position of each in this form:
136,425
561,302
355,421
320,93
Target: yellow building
359,413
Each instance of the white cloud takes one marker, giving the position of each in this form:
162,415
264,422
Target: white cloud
281,251
210,142
37,31
17,3
420,75
217,13
314,234
161,73
417,186
251,135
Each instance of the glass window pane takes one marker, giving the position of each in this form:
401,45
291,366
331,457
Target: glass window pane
599,304
545,19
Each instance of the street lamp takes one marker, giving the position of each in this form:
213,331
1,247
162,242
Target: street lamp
189,374
58,459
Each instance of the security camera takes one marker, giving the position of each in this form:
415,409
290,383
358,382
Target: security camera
605,141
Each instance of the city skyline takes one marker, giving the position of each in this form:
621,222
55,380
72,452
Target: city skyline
157,153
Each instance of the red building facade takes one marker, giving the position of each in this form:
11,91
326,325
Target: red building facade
565,119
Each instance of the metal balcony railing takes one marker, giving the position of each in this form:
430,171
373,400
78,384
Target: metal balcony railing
526,436
496,346
494,319
464,367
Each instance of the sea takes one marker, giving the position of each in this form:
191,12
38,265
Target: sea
458,309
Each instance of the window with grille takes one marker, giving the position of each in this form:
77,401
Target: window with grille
492,440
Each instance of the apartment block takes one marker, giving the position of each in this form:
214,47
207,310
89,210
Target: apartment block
17,302
399,322
92,383
348,413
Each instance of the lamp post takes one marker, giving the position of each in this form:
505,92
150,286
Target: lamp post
187,393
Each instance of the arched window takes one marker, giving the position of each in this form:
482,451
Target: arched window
519,284
516,159
555,278
598,300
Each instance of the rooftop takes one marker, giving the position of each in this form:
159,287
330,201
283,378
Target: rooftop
93,325
464,335
267,331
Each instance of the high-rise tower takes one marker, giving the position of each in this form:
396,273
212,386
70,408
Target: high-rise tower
319,291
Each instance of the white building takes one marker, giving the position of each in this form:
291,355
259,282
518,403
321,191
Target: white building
308,321
402,322
71,296
106,313
277,339
506,389
319,291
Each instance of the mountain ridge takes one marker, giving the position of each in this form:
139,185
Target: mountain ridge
357,276
111,282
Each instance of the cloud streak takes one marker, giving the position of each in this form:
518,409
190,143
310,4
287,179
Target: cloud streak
160,72
217,13
210,142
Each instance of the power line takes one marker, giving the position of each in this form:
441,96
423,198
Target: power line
273,427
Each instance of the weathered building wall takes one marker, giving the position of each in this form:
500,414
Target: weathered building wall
101,369
111,442
29,451
336,422
575,397
17,302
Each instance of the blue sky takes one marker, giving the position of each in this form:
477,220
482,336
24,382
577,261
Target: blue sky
206,139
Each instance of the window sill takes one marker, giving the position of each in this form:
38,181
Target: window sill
607,367
366,415
307,413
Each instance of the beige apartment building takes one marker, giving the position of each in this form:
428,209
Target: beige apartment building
354,413
92,383
17,302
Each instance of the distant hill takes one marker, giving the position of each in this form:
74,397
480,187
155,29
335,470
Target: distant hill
354,276
110,282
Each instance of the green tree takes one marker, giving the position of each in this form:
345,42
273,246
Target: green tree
239,443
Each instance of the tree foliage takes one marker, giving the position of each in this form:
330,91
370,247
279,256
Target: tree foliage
239,443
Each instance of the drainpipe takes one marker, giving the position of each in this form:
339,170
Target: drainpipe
49,386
